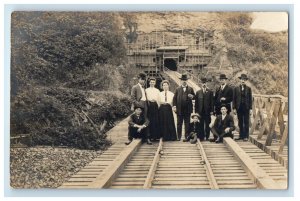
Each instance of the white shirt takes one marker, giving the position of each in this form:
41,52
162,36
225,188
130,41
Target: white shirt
152,94
223,86
143,93
184,88
223,117
169,97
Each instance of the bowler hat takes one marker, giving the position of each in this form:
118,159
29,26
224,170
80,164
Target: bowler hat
142,76
243,77
224,105
184,77
138,105
223,76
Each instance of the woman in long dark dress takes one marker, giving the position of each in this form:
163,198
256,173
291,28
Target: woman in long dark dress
152,95
166,118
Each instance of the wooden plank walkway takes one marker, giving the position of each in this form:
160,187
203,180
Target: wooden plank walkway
272,150
262,178
272,167
91,172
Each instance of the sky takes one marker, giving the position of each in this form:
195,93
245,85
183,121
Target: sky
270,21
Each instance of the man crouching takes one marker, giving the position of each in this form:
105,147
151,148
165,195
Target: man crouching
138,125
223,125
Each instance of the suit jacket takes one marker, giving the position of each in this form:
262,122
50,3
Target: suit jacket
141,120
237,97
136,93
227,93
178,98
204,102
227,122
195,127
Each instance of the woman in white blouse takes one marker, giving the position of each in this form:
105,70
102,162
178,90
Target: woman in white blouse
152,95
166,118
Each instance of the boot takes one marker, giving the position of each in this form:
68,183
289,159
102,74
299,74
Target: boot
127,143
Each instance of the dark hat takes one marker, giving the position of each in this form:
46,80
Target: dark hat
224,105
195,114
243,77
203,80
138,105
184,77
142,76
223,76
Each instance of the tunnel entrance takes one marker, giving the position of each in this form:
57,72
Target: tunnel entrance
170,64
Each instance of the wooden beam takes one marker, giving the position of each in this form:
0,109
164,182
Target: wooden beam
283,139
272,125
151,173
209,172
261,178
112,171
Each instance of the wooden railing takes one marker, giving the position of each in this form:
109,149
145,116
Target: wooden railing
270,113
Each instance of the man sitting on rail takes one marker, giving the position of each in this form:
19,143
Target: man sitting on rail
138,125
223,125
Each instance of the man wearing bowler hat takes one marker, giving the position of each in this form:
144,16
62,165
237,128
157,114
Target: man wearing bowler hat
205,107
138,93
223,95
242,106
183,106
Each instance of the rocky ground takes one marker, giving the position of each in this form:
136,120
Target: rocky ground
46,167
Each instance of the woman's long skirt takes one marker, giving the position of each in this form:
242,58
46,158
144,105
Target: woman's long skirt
167,124
153,118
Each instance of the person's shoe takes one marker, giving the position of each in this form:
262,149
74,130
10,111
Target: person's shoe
212,140
185,140
238,138
245,139
127,143
149,142
193,141
218,140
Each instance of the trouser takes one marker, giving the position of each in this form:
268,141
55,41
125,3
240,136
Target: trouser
220,133
243,119
185,118
145,110
204,126
144,134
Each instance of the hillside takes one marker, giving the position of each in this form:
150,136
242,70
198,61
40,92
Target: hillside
262,55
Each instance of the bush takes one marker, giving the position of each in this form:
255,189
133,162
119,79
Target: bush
67,117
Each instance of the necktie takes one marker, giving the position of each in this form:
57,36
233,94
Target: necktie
204,90
166,96
222,86
242,87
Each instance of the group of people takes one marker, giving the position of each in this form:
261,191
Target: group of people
153,111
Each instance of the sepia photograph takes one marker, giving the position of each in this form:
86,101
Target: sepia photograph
149,100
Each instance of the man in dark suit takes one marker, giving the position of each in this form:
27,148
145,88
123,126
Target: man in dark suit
223,125
242,105
138,125
138,94
204,106
183,106
224,95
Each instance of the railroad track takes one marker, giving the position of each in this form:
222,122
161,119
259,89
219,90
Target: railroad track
176,165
